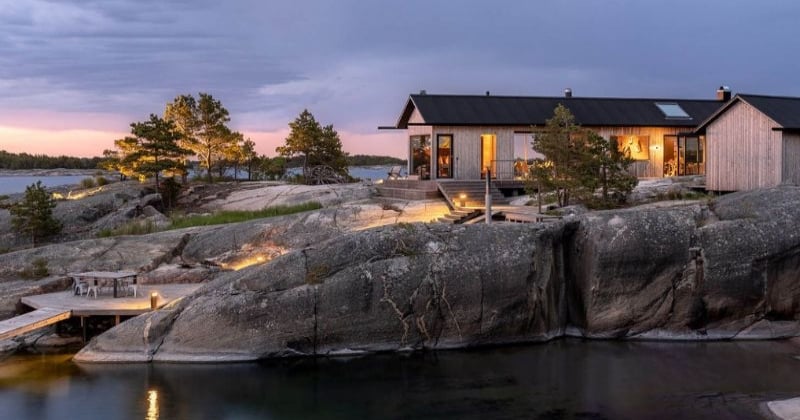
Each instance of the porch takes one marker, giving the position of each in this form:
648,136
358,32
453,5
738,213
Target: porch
457,193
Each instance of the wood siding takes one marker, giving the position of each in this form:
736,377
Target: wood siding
654,166
416,117
467,147
743,150
791,158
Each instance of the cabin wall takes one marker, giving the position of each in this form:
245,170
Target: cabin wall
654,166
791,158
467,147
743,151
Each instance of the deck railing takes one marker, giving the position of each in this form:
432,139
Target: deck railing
509,169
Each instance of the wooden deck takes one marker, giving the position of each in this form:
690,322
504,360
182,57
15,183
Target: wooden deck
31,321
107,305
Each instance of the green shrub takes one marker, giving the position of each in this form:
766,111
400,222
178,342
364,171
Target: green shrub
101,181
87,183
37,270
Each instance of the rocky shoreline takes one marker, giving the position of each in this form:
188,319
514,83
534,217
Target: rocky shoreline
704,271
360,275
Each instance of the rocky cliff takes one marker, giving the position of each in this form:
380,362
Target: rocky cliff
727,269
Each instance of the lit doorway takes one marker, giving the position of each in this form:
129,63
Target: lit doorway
444,156
488,154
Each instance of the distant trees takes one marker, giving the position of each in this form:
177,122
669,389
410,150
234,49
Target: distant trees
577,162
27,161
33,215
370,160
315,144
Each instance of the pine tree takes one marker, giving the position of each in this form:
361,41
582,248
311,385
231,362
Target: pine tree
34,214
156,148
315,144
203,125
577,162
563,144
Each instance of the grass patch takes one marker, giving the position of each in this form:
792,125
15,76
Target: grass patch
132,228
223,217
236,216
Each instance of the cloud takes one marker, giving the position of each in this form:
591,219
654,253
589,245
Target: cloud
353,62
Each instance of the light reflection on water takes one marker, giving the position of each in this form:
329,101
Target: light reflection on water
152,405
561,379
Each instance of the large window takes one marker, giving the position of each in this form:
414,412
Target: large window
524,154
444,156
636,147
691,155
421,156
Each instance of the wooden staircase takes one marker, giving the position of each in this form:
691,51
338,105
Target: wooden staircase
472,191
459,216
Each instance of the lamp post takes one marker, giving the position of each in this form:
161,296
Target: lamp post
488,196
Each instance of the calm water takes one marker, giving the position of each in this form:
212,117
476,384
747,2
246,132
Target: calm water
17,184
565,379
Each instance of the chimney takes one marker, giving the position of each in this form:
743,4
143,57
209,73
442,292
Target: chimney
488,93
423,92
567,93
724,94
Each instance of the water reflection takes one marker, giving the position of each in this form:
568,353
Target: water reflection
562,379
152,405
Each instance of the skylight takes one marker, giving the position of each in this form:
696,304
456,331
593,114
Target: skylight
672,110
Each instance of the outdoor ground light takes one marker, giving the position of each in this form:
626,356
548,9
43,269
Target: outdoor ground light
463,198
153,300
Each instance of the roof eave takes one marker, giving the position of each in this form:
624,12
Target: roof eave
402,121
702,127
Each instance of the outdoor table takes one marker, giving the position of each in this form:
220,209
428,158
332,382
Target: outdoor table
116,276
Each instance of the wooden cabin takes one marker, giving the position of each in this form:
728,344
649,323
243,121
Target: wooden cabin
460,136
753,141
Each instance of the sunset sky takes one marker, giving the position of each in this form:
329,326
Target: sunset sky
75,73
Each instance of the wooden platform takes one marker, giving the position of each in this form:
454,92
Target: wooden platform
105,304
31,321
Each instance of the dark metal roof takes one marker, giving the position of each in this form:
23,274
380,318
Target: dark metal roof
531,110
784,110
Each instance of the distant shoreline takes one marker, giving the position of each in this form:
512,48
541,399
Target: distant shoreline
53,172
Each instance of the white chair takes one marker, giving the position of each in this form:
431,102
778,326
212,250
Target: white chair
131,287
92,288
79,287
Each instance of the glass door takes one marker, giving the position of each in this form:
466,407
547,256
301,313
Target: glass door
420,156
444,156
488,154
670,156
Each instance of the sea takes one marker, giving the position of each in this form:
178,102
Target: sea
562,379
17,184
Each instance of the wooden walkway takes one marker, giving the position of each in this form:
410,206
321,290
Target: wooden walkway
31,321
107,305
51,308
